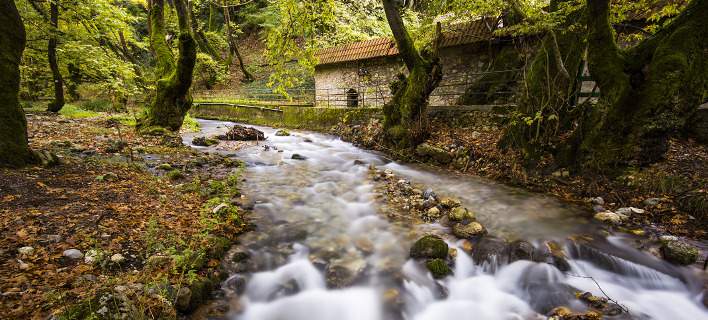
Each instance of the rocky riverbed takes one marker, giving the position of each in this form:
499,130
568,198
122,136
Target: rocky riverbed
342,231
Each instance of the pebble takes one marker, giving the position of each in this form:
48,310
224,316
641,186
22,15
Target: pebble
597,201
26,250
651,201
117,258
73,254
54,237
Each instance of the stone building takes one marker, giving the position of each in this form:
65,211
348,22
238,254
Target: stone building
359,74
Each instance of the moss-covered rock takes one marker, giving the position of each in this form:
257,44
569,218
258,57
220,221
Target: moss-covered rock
438,268
472,230
460,214
679,252
434,153
282,133
429,247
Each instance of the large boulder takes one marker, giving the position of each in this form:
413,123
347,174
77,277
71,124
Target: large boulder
242,133
436,154
472,230
429,247
679,252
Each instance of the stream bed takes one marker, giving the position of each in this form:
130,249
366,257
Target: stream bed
321,249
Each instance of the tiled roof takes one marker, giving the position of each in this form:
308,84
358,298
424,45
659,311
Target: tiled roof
480,30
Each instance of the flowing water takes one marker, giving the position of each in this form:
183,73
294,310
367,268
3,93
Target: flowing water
321,250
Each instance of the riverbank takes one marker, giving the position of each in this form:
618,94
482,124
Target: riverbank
114,224
671,194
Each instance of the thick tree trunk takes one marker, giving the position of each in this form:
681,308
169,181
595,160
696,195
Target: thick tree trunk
405,118
172,99
58,101
648,92
233,48
14,150
545,101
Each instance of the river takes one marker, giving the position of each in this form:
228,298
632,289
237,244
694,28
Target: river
318,219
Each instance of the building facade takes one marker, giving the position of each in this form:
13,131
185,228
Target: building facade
359,74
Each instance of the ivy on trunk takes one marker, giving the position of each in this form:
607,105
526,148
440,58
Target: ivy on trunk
405,117
172,99
14,150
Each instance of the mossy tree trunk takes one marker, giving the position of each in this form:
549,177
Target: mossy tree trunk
405,117
58,101
14,151
172,99
648,92
233,47
201,38
213,16
545,99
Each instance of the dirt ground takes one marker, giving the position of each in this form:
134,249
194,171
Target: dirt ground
128,200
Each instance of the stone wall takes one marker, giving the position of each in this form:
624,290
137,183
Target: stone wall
371,78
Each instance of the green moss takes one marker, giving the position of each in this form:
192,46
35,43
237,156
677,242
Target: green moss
175,174
14,150
438,268
75,112
429,247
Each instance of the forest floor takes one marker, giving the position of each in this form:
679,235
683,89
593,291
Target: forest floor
122,226
671,194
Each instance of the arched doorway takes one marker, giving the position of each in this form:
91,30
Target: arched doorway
352,98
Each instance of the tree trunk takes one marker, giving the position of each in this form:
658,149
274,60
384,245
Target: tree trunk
201,38
172,99
14,151
405,118
545,99
647,92
58,101
213,12
233,48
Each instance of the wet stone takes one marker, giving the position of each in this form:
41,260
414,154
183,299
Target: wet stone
429,247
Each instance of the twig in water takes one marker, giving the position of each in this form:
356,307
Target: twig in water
625,309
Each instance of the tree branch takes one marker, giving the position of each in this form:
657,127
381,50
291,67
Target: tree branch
406,48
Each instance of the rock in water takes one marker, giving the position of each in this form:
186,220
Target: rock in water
298,157
203,141
342,273
488,248
520,250
438,268
429,247
472,230
282,133
241,133
460,214
450,203
609,217
679,252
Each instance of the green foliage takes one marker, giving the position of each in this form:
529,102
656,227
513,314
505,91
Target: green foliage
99,105
293,37
75,112
90,49
208,72
190,124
